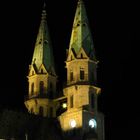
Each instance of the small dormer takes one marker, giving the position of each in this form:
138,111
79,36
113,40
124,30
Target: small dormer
32,71
82,54
42,70
71,56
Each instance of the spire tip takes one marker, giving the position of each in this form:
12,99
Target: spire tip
44,5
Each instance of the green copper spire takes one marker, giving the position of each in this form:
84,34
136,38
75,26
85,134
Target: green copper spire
43,53
81,35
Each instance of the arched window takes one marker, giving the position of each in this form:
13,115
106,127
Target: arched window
41,86
71,101
32,88
41,111
71,75
82,74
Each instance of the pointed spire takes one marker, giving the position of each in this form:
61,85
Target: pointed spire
43,53
81,36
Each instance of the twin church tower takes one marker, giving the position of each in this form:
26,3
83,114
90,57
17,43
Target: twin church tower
77,108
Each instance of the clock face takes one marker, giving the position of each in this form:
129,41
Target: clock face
72,123
92,123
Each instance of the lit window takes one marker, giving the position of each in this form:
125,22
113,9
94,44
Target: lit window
64,105
72,123
92,123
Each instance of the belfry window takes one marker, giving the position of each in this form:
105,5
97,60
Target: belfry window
32,88
71,101
41,87
71,75
82,74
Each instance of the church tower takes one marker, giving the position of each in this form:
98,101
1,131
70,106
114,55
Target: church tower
42,77
81,89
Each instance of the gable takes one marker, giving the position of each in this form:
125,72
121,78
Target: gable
42,69
71,55
32,70
82,54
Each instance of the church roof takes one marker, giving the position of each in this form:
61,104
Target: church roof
43,52
81,36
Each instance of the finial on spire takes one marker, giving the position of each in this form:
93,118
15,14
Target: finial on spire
44,11
44,5
79,0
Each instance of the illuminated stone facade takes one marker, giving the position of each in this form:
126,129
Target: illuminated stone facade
42,78
81,89
80,93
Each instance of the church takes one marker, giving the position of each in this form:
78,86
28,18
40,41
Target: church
77,109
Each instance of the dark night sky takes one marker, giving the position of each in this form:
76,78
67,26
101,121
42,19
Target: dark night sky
114,26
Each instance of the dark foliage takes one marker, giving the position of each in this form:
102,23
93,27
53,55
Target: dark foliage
17,124
12,124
